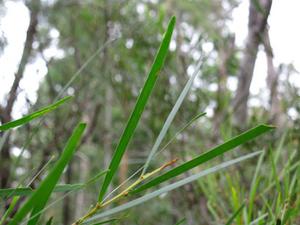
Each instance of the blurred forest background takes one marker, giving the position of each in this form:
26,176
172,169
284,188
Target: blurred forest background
118,40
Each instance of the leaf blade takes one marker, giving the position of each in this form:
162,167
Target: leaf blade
138,109
34,115
220,149
26,191
171,116
170,187
235,214
38,200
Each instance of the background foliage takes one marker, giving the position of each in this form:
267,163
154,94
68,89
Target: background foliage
118,40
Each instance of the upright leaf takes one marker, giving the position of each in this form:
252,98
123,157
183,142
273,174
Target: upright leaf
171,116
39,198
139,108
9,210
235,214
49,222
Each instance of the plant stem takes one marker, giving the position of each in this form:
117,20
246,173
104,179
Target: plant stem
100,205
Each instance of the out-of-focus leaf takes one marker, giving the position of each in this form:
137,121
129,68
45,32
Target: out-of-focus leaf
34,115
9,192
49,222
235,214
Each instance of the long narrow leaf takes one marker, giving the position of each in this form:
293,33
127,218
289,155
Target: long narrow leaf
39,199
235,214
169,188
34,115
180,131
26,191
181,221
85,64
171,116
9,210
138,109
254,186
157,153
107,221
234,142
84,185
258,219
49,222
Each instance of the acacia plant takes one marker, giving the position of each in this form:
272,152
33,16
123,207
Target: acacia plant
36,199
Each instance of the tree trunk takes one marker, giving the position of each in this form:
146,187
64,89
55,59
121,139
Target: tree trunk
272,82
258,14
12,95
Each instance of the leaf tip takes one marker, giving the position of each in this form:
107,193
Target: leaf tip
82,126
173,19
269,126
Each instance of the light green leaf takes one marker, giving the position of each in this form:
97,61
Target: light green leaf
34,115
254,186
106,221
9,210
171,116
26,191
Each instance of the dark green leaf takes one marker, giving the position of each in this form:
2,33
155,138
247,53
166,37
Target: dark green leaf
221,149
49,222
10,192
236,213
139,108
38,200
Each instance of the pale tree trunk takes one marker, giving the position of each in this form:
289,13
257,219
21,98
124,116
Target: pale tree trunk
6,111
272,82
259,11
